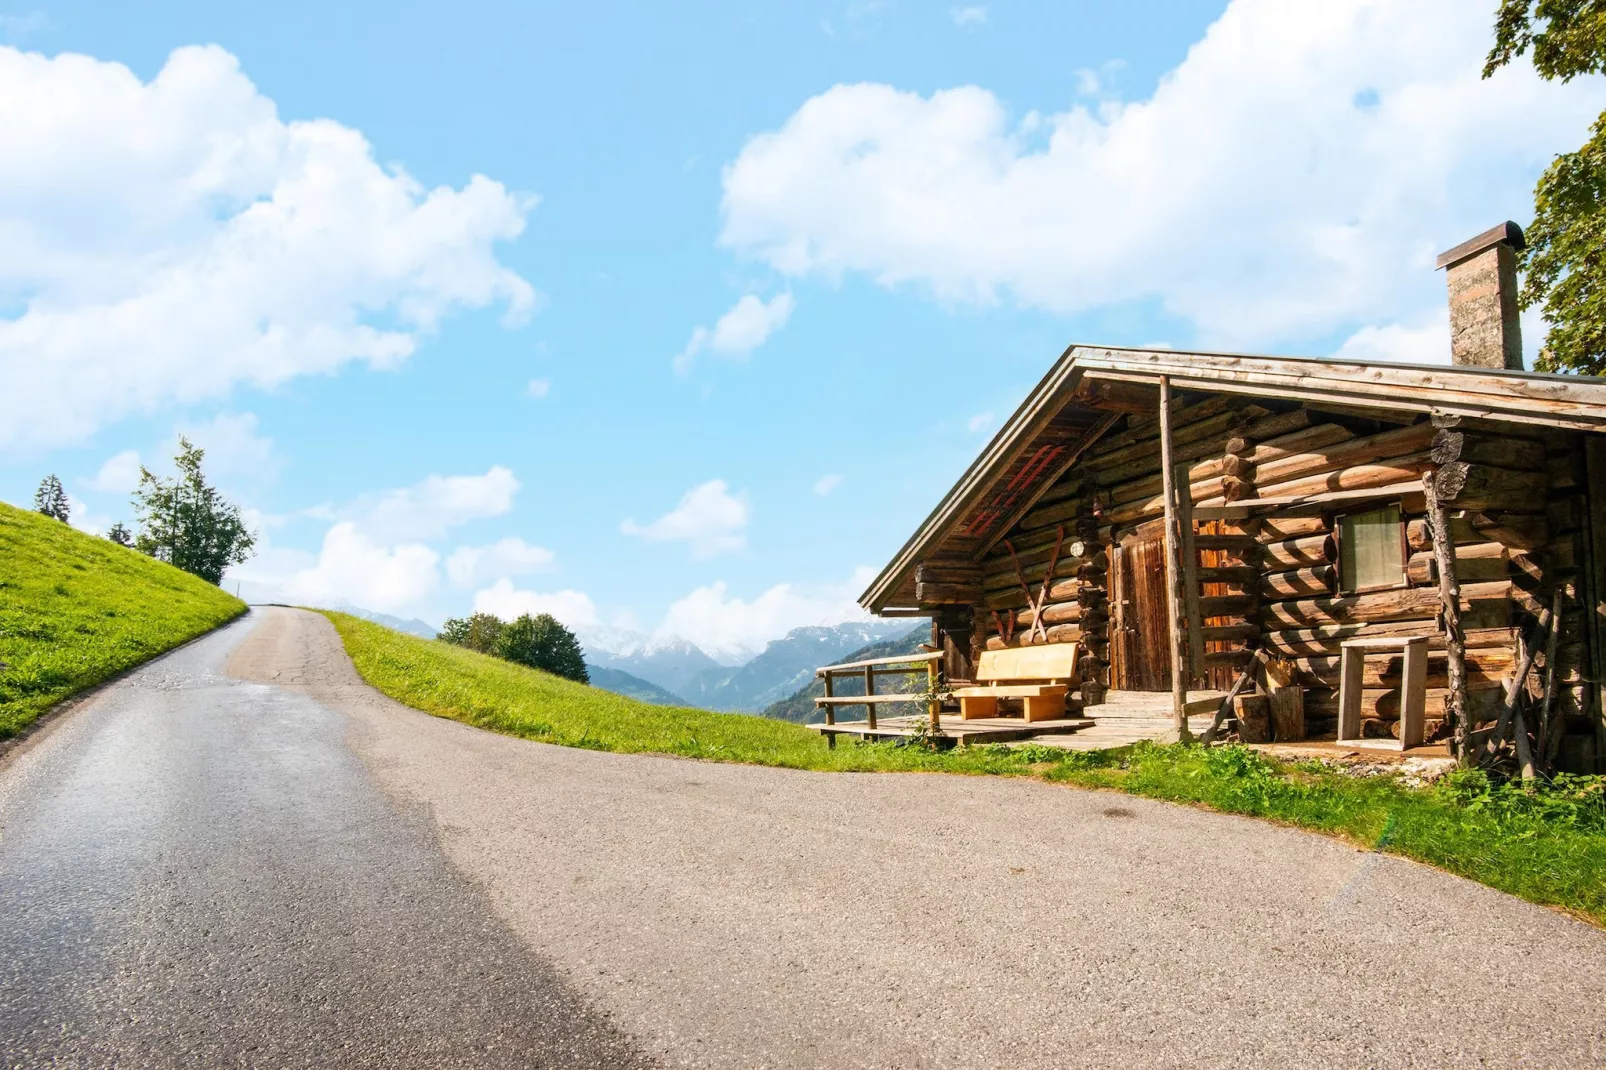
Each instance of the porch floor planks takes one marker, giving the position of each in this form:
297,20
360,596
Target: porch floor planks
1123,718
1123,732
964,733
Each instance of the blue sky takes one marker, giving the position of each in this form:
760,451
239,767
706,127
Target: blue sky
740,290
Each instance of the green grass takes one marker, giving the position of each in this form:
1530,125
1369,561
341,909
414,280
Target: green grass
76,610
1547,846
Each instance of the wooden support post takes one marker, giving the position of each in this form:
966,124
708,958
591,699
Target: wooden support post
830,712
1525,757
1549,731
1176,612
931,690
869,690
1226,704
1514,691
1414,693
1351,671
1190,575
1455,643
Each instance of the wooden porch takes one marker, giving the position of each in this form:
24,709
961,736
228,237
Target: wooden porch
1125,717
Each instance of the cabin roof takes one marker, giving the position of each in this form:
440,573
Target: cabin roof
1090,386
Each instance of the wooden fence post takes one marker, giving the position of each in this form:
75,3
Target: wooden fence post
869,690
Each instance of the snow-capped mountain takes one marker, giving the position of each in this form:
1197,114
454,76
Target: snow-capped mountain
785,665
670,663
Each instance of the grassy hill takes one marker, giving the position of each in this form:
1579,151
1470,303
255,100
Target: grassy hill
799,708
477,689
76,609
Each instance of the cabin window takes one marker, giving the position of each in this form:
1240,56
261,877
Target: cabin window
1371,550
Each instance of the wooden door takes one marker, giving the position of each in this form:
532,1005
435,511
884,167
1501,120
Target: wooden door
1140,651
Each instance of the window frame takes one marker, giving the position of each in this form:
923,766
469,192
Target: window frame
1337,529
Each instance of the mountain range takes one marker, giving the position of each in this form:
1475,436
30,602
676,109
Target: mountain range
800,709
689,674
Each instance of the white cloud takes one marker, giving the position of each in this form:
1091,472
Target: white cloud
1427,342
79,516
708,517
573,608
974,15
979,421
511,556
1292,177
234,450
119,475
732,627
826,484
352,568
744,328
171,239
434,505
540,388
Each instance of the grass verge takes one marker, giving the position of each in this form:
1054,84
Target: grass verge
1546,845
76,610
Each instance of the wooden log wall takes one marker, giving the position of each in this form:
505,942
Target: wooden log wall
1495,480
1023,604
1517,498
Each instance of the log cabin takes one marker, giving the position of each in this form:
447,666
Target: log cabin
1202,522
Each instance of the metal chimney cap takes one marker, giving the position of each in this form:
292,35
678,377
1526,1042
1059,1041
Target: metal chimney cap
1507,232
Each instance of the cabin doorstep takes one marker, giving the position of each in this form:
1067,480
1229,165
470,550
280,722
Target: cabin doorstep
1195,521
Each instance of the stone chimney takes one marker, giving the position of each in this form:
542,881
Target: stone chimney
1482,276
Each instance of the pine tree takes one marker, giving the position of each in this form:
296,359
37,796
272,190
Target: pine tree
51,500
187,523
119,534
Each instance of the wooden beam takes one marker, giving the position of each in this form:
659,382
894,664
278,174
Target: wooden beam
1244,679
1012,440
1064,465
905,659
1565,401
1176,610
1297,505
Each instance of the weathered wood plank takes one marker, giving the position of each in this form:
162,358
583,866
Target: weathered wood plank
1406,603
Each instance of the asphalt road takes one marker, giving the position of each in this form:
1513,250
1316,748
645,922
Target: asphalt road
197,871
242,855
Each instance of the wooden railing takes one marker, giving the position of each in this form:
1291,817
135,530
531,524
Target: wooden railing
907,665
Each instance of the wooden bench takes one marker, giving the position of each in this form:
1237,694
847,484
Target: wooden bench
1039,676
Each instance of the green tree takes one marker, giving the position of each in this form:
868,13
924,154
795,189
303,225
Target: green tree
119,534
187,523
51,500
1563,261
543,643
479,631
